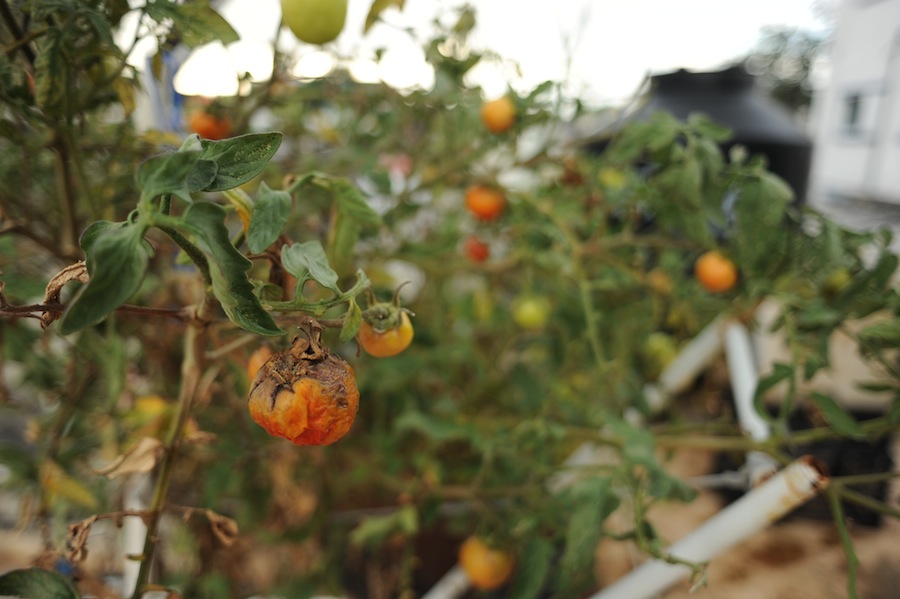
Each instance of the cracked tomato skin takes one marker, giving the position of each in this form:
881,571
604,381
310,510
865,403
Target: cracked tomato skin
384,344
308,401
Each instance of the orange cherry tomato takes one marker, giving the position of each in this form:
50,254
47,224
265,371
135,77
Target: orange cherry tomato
487,568
715,272
387,343
485,203
498,115
209,126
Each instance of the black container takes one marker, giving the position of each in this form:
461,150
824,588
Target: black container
730,98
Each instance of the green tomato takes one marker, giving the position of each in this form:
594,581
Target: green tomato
836,281
658,352
531,312
314,21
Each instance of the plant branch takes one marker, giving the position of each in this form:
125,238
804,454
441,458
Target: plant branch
10,20
191,368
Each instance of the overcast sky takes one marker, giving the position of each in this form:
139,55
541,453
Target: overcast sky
609,45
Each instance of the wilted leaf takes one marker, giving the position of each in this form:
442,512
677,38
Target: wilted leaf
56,484
73,272
143,457
225,529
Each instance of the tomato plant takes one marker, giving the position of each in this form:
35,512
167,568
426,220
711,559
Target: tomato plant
143,273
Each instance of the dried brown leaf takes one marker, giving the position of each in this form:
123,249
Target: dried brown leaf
73,272
225,529
142,458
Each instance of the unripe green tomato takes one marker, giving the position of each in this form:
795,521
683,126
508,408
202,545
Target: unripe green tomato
836,281
531,312
314,21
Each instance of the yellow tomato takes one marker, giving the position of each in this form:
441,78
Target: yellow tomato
387,343
486,567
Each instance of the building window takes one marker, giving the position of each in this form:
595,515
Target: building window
852,113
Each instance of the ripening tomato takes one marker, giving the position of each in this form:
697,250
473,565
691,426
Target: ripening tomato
715,272
487,568
486,203
477,250
314,21
498,115
388,341
305,394
209,126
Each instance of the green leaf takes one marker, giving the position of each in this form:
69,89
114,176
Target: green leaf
165,174
352,320
228,269
117,259
304,260
593,500
780,373
882,335
433,428
532,570
379,6
350,200
197,23
50,71
270,214
238,159
35,583
837,418
342,239
375,529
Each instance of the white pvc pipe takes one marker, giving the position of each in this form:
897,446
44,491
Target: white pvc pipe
744,377
453,584
760,507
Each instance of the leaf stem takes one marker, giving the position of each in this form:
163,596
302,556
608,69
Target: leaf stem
833,493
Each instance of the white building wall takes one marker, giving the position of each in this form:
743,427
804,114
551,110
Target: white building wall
857,153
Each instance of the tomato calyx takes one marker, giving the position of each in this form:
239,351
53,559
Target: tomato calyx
385,316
